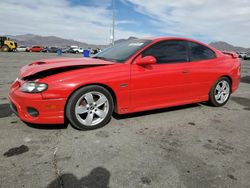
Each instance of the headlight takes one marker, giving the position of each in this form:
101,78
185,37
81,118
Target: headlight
33,87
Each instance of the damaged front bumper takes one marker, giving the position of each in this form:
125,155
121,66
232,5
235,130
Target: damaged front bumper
32,108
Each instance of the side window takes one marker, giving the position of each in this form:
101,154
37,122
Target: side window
168,52
199,52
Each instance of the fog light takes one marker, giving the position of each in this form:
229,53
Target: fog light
32,112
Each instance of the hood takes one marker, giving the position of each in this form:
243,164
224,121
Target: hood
60,64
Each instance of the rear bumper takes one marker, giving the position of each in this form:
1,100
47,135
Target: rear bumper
51,111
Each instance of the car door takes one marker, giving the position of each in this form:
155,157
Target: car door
164,83
203,69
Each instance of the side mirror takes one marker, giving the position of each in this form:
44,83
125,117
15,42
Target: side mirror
147,60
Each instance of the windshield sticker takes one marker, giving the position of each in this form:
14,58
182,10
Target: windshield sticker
136,44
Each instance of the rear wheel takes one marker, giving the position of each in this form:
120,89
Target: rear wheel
220,92
90,107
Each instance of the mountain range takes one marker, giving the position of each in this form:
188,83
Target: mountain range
220,45
30,40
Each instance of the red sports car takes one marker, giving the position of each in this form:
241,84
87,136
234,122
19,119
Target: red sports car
35,49
132,76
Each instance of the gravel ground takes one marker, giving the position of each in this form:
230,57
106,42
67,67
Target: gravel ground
192,146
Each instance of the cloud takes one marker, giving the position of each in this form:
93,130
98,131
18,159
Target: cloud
87,23
206,20
227,20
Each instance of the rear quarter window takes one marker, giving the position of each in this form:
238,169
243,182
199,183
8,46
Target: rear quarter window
198,52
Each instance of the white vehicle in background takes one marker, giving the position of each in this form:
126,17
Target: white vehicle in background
21,48
247,56
242,54
73,46
77,50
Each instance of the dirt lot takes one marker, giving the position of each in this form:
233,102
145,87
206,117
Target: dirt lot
189,146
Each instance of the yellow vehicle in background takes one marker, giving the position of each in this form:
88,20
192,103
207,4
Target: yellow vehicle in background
7,45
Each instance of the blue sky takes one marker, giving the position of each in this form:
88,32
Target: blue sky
124,13
90,20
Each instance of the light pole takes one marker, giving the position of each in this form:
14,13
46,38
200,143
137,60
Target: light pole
112,37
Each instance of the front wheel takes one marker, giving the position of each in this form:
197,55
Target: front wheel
6,48
220,92
90,107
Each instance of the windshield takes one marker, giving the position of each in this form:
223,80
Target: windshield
122,51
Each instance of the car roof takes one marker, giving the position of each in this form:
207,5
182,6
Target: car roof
156,39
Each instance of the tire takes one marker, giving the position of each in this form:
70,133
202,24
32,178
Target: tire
83,110
5,48
220,92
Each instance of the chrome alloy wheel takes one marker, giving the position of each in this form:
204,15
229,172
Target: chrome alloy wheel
92,108
222,91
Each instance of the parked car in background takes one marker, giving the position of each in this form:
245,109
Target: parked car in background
70,50
53,49
247,56
21,48
36,49
77,50
50,49
242,54
94,51
66,50
45,49
131,76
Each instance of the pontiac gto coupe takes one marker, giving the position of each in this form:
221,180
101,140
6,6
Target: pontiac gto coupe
132,76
